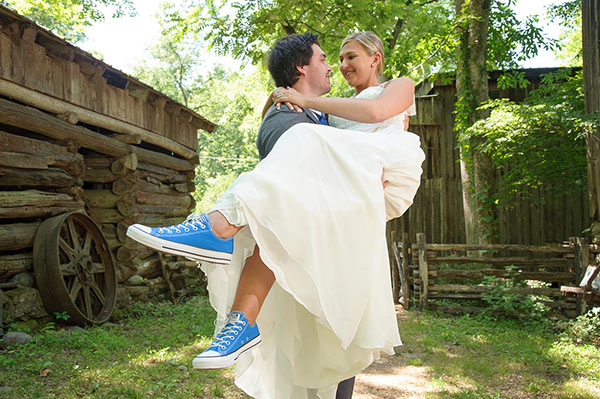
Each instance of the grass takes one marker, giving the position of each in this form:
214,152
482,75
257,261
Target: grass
479,358
148,355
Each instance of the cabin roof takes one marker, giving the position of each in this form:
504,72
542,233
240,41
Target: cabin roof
23,35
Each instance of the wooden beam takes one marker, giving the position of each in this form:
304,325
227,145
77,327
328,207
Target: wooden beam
58,106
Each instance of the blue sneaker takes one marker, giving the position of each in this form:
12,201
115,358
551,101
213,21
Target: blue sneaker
237,337
193,239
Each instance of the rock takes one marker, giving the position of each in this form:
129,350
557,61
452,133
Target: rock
23,279
4,390
14,338
135,280
28,325
109,325
24,303
182,368
76,330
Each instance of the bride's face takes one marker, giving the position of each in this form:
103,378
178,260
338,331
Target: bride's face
357,66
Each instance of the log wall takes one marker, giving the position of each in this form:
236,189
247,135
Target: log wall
78,135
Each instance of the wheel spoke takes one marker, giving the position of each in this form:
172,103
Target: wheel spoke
87,302
68,269
96,290
87,243
75,288
66,248
73,234
96,268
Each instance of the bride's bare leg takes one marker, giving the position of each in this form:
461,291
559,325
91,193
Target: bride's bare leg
255,282
221,226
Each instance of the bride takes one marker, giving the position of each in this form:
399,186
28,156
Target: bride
316,208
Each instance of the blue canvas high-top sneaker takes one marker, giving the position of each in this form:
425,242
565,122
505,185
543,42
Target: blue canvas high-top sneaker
237,337
192,239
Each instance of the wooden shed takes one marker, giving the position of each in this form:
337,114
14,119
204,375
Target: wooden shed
438,210
79,140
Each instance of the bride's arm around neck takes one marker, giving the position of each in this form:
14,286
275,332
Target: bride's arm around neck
396,97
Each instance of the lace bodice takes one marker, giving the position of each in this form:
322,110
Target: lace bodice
372,93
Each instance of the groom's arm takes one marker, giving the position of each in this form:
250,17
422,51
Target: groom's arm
275,123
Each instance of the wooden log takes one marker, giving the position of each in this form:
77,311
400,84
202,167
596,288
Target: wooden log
186,187
478,275
24,161
118,167
491,247
122,231
180,200
98,161
98,198
158,220
99,176
17,236
55,154
101,215
32,197
15,264
30,212
162,174
129,138
122,185
458,288
32,119
423,270
165,210
57,106
51,177
502,261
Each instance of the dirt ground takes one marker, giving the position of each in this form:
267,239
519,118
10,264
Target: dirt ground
392,378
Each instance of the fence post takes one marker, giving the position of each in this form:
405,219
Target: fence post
405,270
580,264
423,271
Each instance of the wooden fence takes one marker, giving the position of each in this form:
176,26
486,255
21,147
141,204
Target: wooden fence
428,273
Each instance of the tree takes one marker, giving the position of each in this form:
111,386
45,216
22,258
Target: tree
411,29
69,18
472,90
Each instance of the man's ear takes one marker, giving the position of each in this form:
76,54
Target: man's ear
301,69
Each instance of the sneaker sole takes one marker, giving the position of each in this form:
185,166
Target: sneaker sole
220,362
175,248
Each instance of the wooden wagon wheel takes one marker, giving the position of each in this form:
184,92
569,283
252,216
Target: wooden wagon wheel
74,268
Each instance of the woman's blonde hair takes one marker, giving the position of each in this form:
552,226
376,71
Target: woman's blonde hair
371,42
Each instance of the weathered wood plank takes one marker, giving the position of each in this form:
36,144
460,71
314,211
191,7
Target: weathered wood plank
17,236
51,177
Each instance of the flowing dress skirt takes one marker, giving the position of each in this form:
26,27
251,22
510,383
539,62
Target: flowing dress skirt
317,209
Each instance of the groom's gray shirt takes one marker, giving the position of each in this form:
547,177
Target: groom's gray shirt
276,122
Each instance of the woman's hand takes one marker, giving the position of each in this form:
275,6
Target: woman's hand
290,97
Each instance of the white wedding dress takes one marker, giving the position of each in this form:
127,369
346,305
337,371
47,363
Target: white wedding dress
317,210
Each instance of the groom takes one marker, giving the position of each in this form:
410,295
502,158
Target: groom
295,61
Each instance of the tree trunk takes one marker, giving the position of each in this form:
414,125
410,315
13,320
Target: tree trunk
477,176
591,78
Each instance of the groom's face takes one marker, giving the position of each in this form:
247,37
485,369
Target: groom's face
317,72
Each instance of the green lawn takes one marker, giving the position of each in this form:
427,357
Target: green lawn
149,355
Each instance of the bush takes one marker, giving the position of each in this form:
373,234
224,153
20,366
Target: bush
586,328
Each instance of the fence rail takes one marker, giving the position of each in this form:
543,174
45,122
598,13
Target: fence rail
430,272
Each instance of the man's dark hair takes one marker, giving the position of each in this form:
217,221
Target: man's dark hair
288,53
